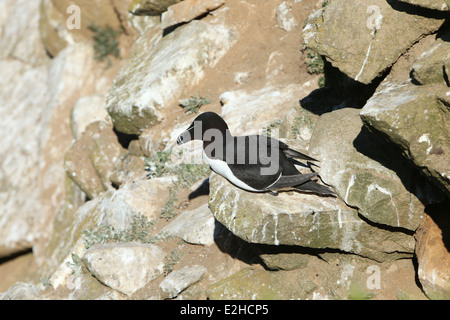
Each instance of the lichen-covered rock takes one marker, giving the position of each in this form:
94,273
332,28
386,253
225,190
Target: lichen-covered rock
352,161
364,38
442,5
160,68
417,120
254,284
125,267
297,219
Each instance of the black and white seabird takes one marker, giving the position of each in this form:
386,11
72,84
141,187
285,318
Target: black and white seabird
254,163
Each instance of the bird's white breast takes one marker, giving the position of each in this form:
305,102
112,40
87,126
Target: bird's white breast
222,168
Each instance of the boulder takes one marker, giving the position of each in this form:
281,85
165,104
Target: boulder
90,160
328,277
274,101
433,65
179,280
150,7
415,119
432,252
125,267
22,291
195,226
442,5
188,10
21,40
160,68
114,209
385,30
87,110
32,178
367,172
297,219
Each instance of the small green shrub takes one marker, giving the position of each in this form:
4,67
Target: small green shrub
138,231
193,104
105,42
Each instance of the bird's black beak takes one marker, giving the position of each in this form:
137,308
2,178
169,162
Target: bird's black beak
184,137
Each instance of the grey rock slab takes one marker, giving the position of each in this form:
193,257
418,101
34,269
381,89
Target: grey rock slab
179,280
125,267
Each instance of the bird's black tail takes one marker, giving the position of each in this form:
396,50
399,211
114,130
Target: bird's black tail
315,188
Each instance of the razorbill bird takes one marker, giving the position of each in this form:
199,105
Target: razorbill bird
254,163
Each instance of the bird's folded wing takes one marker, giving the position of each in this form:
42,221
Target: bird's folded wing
293,180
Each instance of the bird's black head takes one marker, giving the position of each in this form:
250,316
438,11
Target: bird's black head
201,124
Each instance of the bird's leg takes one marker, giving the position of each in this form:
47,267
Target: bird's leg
273,193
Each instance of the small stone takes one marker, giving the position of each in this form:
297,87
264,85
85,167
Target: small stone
188,10
179,280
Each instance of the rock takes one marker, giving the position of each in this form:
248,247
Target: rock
179,280
442,5
115,209
188,10
90,160
35,146
22,91
331,276
21,40
366,172
143,197
364,38
433,257
433,66
127,169
56,17
195,226
150,7
125,267
285,18
297,219
274,101
87,110
140,92
22,291
416,120
254,284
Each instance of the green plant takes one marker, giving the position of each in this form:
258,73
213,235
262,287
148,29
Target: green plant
139,231
159,165
105,42
192,104
267,130
172,260
76,264
314,62
156,164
